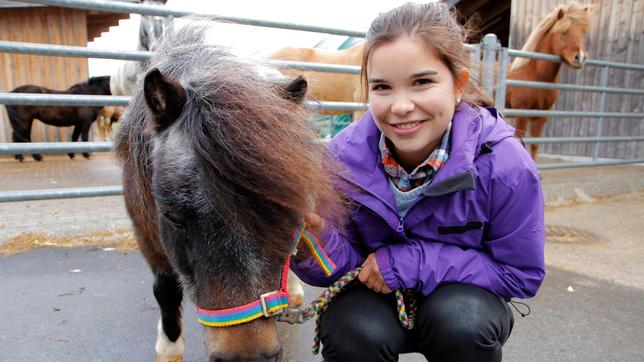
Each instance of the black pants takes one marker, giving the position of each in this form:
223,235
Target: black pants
457,322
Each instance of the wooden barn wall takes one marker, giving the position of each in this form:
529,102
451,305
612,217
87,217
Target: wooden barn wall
41,25
616,35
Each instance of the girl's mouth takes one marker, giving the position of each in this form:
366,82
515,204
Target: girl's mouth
407,128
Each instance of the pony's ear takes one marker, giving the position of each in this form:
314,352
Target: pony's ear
560,14
165,98
296,89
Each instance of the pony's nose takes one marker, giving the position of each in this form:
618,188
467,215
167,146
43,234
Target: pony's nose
580,58
271,357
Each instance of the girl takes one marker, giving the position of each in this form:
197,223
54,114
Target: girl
447,204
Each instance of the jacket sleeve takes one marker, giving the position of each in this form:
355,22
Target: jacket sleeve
343,249
511,262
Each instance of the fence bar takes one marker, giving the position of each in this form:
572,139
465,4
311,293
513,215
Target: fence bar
69,193
602,108
62,99
81,52
553,166
55,147
563,86
71,51
125,7
318,67
543,140
513,112
556,59
97,101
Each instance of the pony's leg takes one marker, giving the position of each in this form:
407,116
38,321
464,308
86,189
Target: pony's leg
295,290
168,292
536,130
85,138
21,132
16,137
521,126
75,134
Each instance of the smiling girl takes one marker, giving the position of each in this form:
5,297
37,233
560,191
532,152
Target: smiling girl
447,203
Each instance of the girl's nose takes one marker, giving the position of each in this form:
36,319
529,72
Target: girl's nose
402,106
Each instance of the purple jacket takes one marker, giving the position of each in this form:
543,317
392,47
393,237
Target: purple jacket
480,221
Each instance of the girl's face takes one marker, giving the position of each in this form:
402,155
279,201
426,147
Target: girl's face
412,96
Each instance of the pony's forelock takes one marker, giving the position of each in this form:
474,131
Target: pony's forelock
251,142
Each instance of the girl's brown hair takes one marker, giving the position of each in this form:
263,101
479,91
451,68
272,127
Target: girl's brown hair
436,25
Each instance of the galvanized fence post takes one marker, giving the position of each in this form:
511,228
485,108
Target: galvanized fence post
475,63
490,46
602,105
502,77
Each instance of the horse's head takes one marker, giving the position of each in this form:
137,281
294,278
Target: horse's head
569,32
233,167
151,27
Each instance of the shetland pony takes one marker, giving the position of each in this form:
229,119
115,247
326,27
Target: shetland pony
560,33
150,33
218,166
21,117
331,87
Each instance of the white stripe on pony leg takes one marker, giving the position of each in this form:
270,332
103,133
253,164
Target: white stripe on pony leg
168,351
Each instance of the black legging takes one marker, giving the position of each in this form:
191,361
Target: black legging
457,322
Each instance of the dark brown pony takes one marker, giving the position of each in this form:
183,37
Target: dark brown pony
21,117
561,33
218,166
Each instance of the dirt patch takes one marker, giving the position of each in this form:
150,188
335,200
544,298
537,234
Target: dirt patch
121,239
568,235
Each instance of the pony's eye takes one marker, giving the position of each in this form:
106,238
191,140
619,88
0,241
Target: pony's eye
173,220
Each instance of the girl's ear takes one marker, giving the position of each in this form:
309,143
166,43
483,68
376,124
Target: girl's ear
462,77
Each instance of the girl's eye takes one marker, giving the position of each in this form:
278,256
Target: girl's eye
423,81
378,87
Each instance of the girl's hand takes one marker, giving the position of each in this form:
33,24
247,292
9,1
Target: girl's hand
371,277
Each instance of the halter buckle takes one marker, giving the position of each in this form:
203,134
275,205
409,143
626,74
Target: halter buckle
262,300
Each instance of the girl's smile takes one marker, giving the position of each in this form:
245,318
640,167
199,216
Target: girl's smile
412,96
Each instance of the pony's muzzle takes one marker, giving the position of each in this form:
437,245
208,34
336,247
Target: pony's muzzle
254,341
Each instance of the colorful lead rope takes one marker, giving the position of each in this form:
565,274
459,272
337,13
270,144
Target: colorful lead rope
270,303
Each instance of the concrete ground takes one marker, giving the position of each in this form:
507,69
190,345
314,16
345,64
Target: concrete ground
74,288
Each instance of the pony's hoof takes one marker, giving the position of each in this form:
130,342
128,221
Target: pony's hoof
19,157
170,359
37,157
71,156
87,155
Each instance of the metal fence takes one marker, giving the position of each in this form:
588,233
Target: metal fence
489,52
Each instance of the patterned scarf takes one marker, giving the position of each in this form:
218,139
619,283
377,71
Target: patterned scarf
423,173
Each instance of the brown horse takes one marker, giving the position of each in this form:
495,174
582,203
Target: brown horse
21,117
560,33
330,87
218,166
105,121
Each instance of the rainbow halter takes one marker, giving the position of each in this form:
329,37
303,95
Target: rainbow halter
271,303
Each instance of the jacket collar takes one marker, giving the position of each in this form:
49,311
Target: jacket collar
357,147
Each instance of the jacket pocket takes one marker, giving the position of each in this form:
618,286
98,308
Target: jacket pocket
460,229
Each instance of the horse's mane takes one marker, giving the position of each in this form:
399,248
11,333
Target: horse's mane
251,142
574,14
83,87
